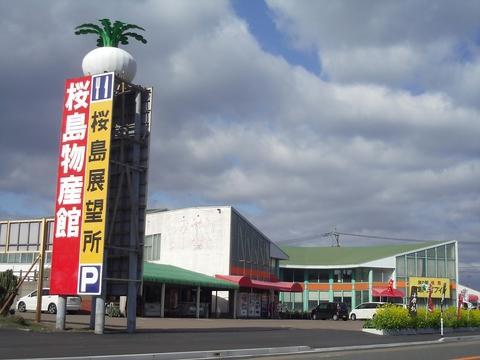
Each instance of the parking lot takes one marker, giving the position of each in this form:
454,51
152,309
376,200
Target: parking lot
81,322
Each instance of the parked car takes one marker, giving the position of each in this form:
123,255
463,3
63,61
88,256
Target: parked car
466,305
330,310
49,302
366,310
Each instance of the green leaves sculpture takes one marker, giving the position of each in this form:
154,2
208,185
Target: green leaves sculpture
111,36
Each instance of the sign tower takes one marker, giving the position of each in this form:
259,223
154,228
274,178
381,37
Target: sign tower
102,179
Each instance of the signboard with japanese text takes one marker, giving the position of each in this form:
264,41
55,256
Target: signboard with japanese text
423,283
82,185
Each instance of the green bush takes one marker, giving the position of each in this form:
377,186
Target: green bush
426,319
8,285
393,317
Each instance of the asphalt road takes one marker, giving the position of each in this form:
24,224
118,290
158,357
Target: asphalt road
179,335
462,350
21,344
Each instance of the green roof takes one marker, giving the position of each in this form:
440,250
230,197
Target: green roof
169,274
327,256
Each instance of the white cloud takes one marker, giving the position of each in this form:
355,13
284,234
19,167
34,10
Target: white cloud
417,45
235,125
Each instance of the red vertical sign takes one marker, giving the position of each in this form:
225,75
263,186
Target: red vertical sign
70,187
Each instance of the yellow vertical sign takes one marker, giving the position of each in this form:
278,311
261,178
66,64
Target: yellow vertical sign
96,185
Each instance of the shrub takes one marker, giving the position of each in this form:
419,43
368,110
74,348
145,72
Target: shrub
393,318
427,319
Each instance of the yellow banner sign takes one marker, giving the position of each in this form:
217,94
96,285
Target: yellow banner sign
422,284
94,209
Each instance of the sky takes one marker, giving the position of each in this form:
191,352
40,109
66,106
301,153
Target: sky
306,116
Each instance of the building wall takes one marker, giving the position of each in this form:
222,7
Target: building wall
197,239
20,243
354,285
250,251
435,262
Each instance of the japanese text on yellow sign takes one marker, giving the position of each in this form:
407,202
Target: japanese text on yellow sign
422,284
96,183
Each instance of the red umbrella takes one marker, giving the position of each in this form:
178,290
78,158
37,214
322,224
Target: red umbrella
472,298
387,292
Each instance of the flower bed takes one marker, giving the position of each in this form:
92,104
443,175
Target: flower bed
398,318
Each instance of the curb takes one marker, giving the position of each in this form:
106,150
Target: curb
259,352
209,354
418,331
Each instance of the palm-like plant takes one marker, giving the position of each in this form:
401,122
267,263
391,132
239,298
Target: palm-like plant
111,36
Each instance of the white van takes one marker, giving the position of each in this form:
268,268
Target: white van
365,310
49,302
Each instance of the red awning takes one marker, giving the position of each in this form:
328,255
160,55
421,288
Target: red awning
472,298
386,292
242,281
245,281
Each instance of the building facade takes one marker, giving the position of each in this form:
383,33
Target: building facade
220,242
358,274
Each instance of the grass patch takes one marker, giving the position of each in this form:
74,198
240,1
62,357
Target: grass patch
19,323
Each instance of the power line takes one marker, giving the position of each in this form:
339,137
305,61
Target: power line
336,234
389,238
304,238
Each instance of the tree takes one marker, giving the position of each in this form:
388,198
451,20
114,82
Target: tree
111,36
8,287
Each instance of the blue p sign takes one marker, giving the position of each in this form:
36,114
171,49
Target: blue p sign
90,279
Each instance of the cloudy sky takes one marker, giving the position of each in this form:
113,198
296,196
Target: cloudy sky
304,115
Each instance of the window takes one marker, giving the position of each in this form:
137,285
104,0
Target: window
347,275
451,271
323,276
23,237
13,238
337,276
151,248
50,235
411,267
441,268
401,266
451,251
13,258
420,267
287,275
26,258
431,253
3,236
299,275
312,304
322,306
34,236
379,275
441,252
431,268
313,276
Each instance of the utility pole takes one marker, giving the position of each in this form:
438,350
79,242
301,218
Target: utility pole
337,237
43,243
